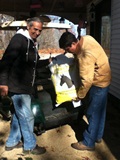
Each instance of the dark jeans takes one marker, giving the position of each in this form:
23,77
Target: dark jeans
96,114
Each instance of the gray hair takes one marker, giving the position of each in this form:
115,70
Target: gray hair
34,19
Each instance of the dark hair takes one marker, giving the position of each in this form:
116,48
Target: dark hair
66,39
34,19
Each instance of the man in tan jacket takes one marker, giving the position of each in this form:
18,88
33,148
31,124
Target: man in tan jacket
95,76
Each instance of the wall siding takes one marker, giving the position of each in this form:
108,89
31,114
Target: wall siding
115,48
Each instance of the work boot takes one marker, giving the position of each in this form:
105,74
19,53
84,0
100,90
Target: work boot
37,150
99,141
19,145
81,146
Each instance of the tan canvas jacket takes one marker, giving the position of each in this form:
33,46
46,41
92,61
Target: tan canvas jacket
94,65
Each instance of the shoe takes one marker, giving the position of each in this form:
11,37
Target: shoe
37,150
81,146
19,145
99,141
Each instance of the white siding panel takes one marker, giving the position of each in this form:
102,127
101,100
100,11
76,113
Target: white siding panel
115,48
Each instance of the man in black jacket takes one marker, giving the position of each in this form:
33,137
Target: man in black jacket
17,79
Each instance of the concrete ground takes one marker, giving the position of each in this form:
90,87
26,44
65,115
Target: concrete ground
58,141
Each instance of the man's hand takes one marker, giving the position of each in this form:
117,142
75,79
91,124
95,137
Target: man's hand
3,90
76,99
76,102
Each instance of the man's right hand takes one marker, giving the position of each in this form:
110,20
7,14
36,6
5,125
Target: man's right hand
3,90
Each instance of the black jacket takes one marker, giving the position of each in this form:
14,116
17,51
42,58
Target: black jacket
19,63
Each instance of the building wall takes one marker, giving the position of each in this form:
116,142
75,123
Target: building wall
115,48
95,2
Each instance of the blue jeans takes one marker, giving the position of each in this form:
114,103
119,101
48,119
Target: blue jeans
22,123
96,115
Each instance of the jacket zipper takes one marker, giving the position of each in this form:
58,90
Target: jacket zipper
36,56
34,72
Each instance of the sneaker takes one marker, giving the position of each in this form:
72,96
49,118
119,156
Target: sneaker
37,150
19,145
81,146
